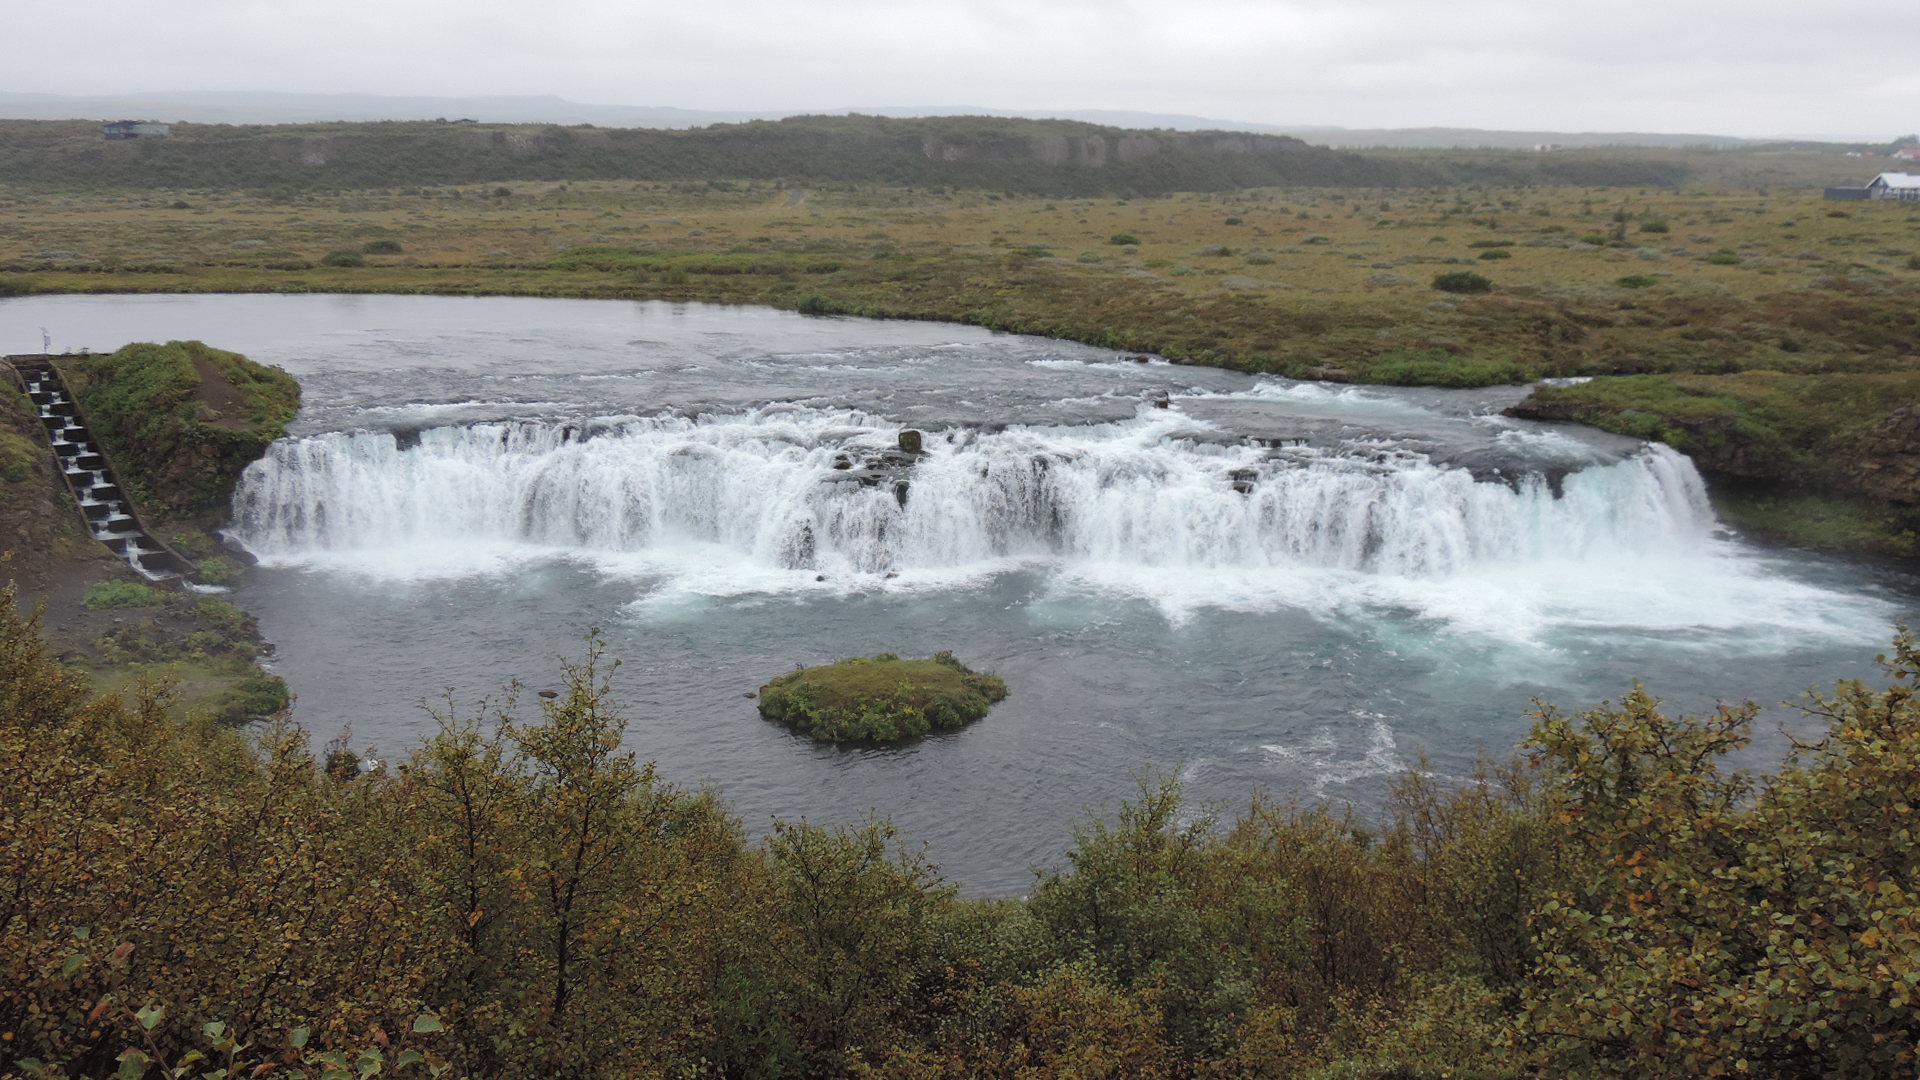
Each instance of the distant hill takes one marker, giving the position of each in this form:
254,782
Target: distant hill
233,107
1050,157
244,107
1476,139
1055,157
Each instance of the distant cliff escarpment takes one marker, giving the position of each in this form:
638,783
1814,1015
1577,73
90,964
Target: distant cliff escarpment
992,153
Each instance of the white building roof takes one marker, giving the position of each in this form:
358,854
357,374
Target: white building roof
1897,180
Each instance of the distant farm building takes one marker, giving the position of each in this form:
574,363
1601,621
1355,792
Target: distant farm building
1907,153
1895,185
135,129
1888,185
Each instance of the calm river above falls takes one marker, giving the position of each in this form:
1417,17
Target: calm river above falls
1268,585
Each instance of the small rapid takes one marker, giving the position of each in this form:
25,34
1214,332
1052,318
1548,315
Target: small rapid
826,492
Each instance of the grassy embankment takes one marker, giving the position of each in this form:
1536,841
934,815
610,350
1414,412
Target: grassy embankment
180,421
1301,282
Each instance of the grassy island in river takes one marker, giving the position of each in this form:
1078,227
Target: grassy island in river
880,698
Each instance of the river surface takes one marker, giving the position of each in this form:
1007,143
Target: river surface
1265,585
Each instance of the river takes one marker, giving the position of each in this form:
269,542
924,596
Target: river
1251,583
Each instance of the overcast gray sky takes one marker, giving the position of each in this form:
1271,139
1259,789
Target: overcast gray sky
1755,67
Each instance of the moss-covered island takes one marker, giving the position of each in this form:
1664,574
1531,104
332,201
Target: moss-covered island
880,698
183,420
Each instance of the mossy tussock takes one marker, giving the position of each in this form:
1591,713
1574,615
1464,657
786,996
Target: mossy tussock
881,698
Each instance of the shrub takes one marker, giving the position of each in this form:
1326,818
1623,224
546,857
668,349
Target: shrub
1596,239
1724,258
1772,919
252,698
18,471
1654,225
217,570
815,304
113,595
343,258
1123,238
1496,253
1636,281
382,247
1462,281
1234,221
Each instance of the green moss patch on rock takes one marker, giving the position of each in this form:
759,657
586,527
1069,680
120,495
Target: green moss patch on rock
182,419
880,698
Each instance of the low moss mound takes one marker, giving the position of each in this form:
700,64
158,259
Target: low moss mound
113,595
880,698
183,419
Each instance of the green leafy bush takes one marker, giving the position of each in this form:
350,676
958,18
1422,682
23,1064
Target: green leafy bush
112,595
1716,917
1122,239
1636,281
253,698
1724,258
1462,281
881,698
216,570
1496,253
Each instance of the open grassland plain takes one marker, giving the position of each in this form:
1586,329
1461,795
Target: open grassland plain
1451,286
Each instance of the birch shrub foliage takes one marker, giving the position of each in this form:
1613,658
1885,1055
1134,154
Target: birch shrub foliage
523,898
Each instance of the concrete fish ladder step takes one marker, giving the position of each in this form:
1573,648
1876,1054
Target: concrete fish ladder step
109,515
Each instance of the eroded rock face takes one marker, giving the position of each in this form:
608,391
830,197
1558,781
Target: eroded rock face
1886,462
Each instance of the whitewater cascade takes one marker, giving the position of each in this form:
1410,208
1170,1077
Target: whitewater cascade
765,485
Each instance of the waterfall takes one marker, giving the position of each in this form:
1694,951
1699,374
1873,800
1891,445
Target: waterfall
798,489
